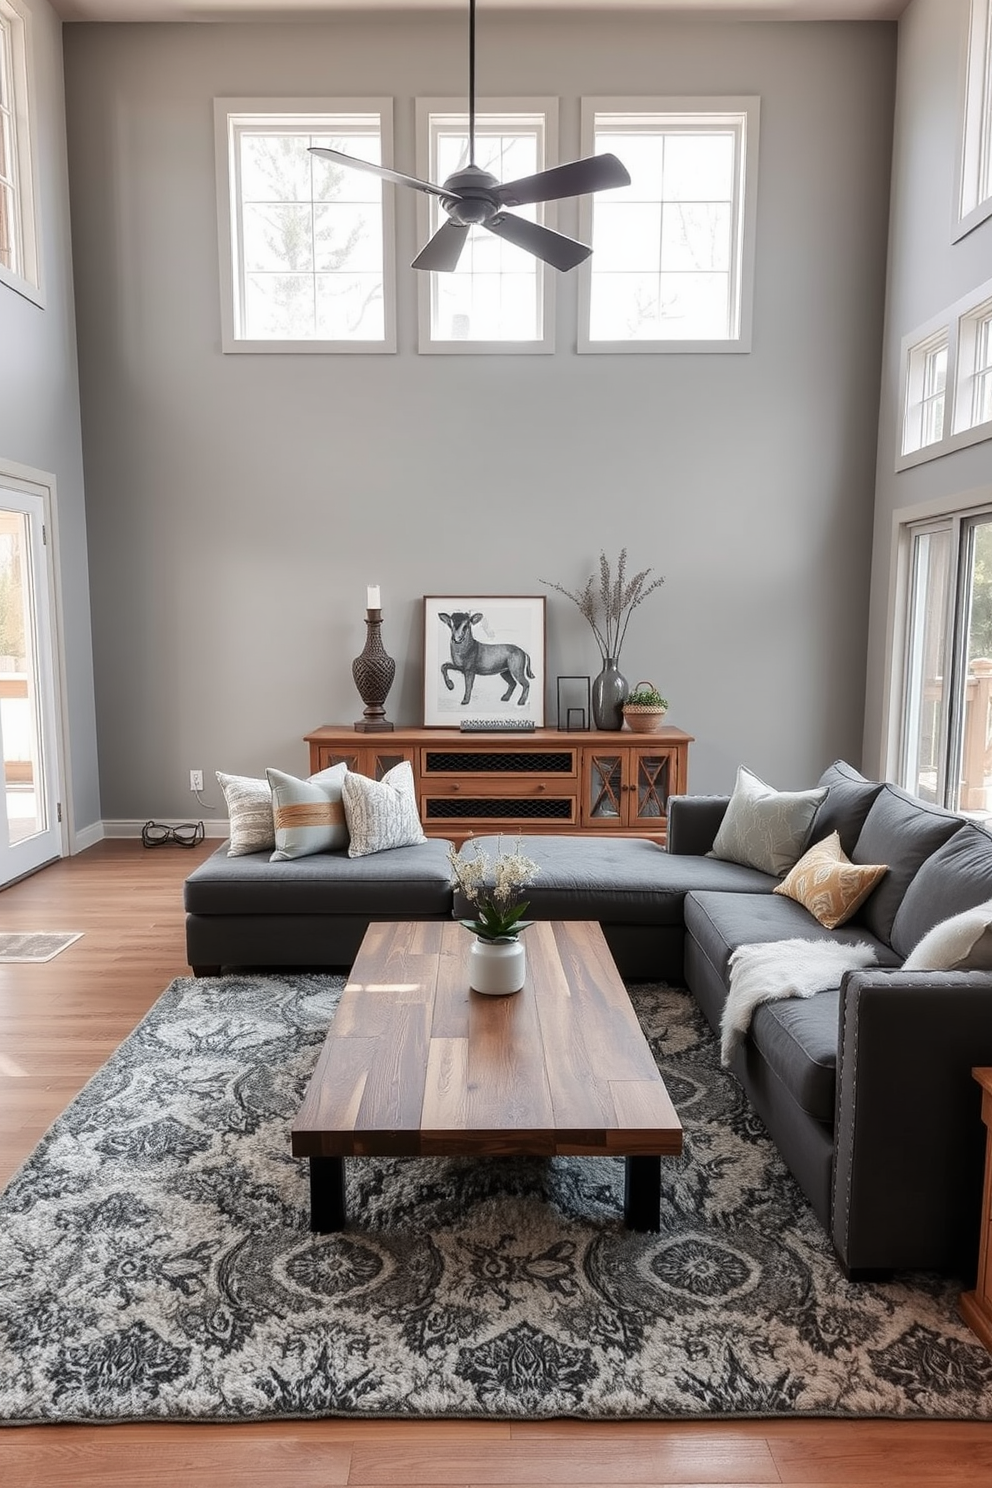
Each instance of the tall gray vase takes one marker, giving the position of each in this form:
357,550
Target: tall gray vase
609,693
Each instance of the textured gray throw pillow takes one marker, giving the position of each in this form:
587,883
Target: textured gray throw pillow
765,828
381,813
249,808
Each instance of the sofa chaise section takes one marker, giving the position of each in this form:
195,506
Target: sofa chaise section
310,911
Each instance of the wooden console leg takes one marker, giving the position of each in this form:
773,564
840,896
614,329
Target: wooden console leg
642,1193
328,1210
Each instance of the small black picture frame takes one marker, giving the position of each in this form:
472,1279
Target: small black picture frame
574,705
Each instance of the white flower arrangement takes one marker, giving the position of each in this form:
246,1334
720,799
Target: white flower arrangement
493,887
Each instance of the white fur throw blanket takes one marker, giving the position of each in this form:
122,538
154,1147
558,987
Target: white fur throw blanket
782,968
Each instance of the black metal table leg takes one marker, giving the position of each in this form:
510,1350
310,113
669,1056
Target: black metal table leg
642,1193
328,1211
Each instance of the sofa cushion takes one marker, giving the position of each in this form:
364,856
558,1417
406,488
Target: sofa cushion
796,1036
956,877
764,828
403,883
617,880
848,801
719,923
903,832
828,884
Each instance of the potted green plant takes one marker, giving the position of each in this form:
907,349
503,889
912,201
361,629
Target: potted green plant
645,708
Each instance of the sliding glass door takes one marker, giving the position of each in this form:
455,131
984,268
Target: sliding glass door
946,754
30,834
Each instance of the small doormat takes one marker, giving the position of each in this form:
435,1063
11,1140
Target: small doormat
35,945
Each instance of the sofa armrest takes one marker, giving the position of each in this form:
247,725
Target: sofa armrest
693,822
909,1140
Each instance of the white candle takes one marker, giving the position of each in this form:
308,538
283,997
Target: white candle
373,599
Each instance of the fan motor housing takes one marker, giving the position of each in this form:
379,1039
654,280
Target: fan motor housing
473,200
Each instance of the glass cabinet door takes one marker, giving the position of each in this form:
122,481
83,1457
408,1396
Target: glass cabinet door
650,786
329,757
364,761
605,788
382,760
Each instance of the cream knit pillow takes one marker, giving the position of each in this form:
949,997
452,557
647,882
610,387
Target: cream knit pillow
249,807
962,943
381,813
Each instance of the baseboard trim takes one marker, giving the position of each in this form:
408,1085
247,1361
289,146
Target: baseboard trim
86,837
123,827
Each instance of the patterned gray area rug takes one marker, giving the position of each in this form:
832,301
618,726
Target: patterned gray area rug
156,1261
35,945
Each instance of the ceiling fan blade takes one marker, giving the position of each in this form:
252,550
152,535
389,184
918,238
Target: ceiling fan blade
595,173
383,171
554,248
443,250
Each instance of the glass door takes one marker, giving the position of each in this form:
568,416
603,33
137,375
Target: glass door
30,833
925,715
947,710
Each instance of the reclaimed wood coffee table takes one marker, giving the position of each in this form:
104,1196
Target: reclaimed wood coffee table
417,1065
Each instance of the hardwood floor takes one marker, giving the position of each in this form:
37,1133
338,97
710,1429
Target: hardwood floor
58,1023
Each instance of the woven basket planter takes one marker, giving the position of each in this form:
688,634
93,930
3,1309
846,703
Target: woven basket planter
640,717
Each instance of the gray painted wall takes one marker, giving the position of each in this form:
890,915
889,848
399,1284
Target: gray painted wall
239,505
927,274
39,403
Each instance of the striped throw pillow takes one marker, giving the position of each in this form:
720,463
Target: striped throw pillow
249,809
307,815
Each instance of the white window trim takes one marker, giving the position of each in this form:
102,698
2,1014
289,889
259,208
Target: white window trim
28,282
747,107
283,110
975,135
960,380
948,511
914,372
426,344
963,415
906,521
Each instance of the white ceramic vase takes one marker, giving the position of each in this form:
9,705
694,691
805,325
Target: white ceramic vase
496,967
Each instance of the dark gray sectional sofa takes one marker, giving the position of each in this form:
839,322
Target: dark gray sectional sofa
866,1089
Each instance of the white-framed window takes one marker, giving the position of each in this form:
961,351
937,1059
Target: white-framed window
20,266
975,175
944,747
973,394
926,393
499,299
306,244
673,253
946,394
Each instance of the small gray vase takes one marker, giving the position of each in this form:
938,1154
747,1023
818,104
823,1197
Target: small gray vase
609,693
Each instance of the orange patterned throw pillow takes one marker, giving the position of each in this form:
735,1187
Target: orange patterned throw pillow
828,884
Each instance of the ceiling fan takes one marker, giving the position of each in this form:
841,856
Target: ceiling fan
473,196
